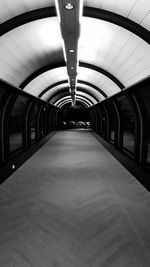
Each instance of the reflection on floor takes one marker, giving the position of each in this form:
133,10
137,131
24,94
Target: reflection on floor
73,205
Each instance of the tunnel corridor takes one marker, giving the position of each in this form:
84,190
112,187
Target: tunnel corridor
78,207
74,133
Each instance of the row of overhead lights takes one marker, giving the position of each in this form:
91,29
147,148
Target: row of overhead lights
71,61
69,6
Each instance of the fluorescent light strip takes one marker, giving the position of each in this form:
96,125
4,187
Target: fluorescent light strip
57,10
80,11
64,50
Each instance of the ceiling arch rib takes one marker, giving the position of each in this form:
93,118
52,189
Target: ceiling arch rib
87,12
37,85
20,66
28,48
117,50
135,10
47,93
9,9
119,20
78,102
77,98
139,72
88,93
62,64
91,91
102,71
41,71
81,92
62,89
99,80
94,87
60,83
62,95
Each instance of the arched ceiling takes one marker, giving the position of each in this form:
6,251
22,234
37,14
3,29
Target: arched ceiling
80,94
47,96
38,84
29,47
135,10
67,103
116,42
67,98
65,91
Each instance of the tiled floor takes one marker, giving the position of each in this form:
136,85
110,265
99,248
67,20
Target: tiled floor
73,205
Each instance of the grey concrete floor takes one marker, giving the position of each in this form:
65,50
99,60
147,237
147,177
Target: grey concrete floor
73,205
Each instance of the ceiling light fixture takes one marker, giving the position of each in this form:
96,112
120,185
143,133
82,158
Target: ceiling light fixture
69,6
71,50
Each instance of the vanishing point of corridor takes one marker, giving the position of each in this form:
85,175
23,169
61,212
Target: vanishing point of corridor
73,205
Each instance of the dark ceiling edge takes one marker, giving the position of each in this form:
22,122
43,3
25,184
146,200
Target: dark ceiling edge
104,72
65,94
118,20
80,81
87,12
93,86
41,71
82,89
27,17
51,86
65,89
67,101
77,99
62,64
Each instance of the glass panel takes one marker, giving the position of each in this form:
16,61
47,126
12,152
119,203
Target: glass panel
104,123
2,105
127,123
33,123
111,135
145,101
42,120
16,123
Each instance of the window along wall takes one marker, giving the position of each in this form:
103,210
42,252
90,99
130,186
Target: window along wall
124,120
24,120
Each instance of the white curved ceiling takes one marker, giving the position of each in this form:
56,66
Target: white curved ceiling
65,98
85,96
64,102
54,90
91,90
98,79
37,85
136,10
12,8
59,88
27,48
115,49
46,79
